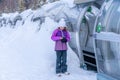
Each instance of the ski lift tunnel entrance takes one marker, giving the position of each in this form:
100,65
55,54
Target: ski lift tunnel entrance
82,40
107,41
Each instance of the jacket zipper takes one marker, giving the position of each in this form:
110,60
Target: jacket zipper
62,46
61,42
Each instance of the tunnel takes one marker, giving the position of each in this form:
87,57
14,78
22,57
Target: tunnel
82,38
107,41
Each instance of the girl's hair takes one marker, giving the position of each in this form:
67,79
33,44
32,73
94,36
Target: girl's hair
65,28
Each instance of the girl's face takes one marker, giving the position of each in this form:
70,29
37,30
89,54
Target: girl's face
61,27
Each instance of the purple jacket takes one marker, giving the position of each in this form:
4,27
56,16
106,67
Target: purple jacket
57,34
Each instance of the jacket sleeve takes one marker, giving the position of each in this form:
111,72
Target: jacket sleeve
68,36
54,37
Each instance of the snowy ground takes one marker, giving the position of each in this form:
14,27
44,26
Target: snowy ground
26,54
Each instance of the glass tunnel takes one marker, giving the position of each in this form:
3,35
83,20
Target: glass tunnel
96,39
82,40
107,45
85,31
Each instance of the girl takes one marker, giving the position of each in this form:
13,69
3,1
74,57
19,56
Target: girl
61,37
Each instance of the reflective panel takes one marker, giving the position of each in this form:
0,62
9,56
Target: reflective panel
107,52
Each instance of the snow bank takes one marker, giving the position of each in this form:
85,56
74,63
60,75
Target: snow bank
30,55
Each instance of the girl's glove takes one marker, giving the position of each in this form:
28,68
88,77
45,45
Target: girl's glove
64,40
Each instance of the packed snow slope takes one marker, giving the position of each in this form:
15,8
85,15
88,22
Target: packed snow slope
28,54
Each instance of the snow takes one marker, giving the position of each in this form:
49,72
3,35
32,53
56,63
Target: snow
70,3
28,54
